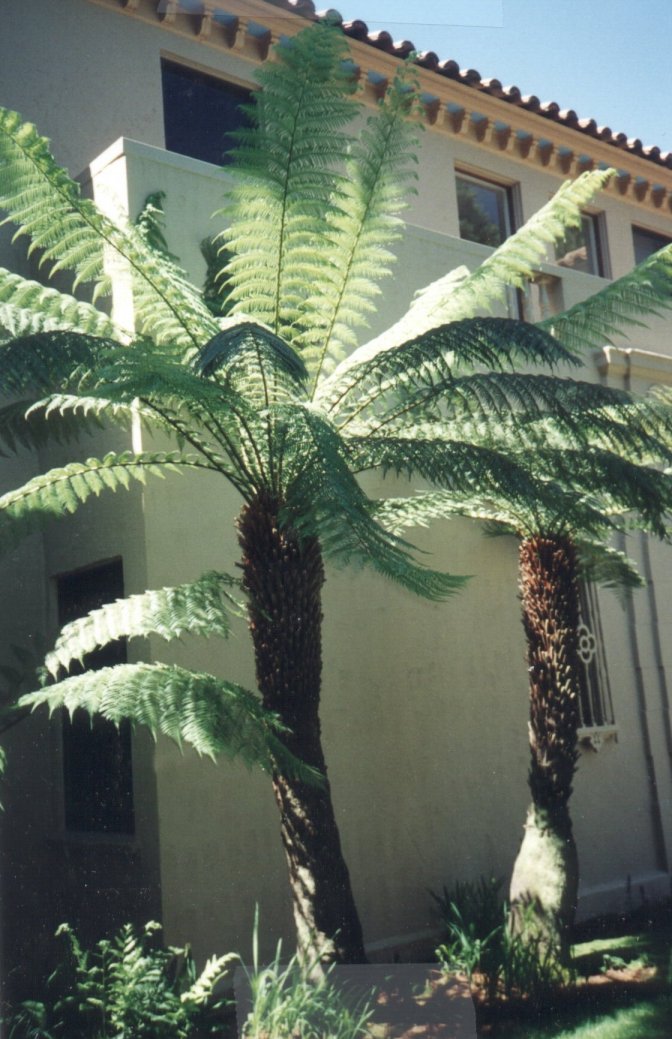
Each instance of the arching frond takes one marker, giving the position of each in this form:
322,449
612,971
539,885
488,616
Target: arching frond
379,172
461,294
642,293
454,465
323,500
61,491
290,179
254,359
203,607
71,234
424,508
213,716
424,369
607,566
27,307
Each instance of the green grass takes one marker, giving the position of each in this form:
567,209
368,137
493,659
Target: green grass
649,1020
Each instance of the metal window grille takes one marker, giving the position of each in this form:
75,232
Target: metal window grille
595,703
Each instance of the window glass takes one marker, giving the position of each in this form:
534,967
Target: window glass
199,111
484,211
647,242
580,248
97,769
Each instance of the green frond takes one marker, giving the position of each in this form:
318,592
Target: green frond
201,607
458,466
23,425
644,292
422,371
461,294
356,242
602,564
72,235
424,508
324,500
61,491
46,362
289,174
27,307
253,358
213,716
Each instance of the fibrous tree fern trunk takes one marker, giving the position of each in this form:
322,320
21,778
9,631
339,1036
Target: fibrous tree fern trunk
283,577
545,876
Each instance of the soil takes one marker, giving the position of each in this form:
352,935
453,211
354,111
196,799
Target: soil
449,1009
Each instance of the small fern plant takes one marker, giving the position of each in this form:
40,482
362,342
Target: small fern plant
260,382
125,986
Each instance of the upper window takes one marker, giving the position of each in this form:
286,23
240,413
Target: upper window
484,210
199,111
581,248
647,242
97,772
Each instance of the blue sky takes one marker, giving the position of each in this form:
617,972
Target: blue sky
607,59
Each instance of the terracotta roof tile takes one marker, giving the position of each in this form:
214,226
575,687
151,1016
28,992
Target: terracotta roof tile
383,40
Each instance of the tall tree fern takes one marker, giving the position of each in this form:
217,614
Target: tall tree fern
270,398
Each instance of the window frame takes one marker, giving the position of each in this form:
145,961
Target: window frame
596,246
222,83
659,236
510,210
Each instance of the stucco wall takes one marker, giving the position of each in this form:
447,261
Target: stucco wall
424,706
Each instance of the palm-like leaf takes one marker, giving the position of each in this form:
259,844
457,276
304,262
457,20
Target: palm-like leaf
213,716
201,607
72,235
63,490
644,292
290,186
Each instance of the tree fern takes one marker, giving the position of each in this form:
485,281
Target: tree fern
201,607
211,715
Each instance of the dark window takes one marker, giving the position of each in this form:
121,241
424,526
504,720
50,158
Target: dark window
581,247
97,770
647,242
199,111
484,210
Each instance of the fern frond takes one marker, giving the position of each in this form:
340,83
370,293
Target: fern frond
71,234
61,491
201,607
23,425
287,167
422,509
424,369
213,716
460,294
254,359
27,307
324,500
602,564
356,242
644,292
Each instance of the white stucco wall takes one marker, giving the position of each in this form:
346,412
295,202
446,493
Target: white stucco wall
424,706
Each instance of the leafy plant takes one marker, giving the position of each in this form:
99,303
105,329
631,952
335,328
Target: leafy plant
300,998
481,943
126,987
